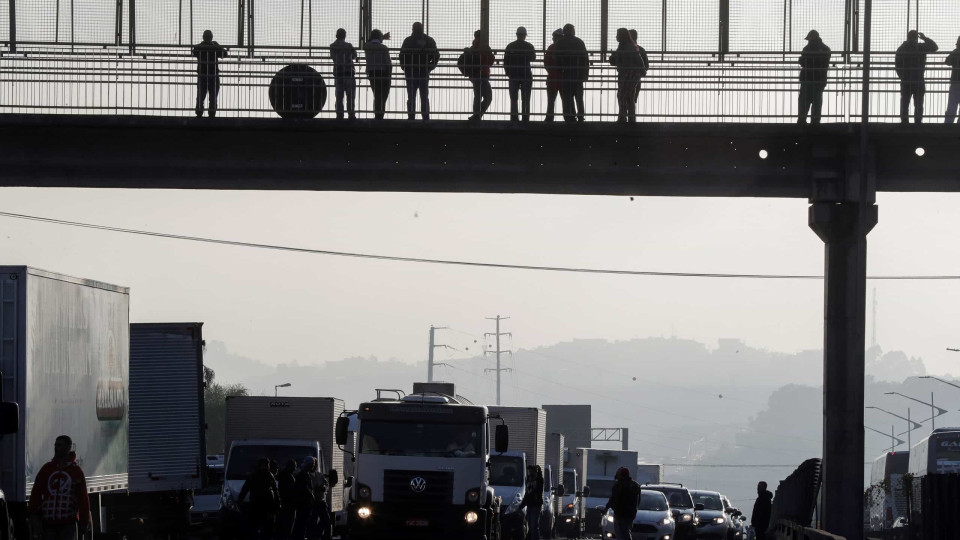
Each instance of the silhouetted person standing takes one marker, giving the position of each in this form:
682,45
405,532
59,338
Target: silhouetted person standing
630,68
953,100
516,62
814,63
643,54
554,74
911,62
624,498
480,61
344,77
762,508
59,496
208,53
379,71
264,500
418,57
575,69
286,485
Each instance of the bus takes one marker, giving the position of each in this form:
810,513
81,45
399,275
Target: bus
887,499
938,454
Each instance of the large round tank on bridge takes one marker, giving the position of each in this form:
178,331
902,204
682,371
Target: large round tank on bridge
298,91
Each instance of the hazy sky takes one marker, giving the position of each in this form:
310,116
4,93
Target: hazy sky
280,307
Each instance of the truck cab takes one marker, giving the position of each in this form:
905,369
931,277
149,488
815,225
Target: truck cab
548,515
508,478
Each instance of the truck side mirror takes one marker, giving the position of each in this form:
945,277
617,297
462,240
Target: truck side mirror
698,507
501,439
348,483
333,477
343,427
586,491
559,490
9,417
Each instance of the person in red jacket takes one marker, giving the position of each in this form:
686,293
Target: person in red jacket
59,495
482,59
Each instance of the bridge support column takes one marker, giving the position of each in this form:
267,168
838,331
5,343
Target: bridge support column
843,227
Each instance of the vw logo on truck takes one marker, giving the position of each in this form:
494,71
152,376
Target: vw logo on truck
418,484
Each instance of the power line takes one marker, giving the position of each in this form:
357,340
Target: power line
475,264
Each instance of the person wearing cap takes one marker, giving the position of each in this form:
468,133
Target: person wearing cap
343,54
953,100
552,65
516,62
208,53
624,500
379,70
418,58
575,70
910,64
814,62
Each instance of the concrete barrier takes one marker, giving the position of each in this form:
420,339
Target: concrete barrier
787,530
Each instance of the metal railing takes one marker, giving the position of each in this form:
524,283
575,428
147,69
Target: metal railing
679,87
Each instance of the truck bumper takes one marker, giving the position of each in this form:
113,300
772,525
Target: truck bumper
402,521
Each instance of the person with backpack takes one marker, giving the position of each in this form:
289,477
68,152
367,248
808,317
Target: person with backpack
343,55
574,71
418,57
516,62
630,68
264,500
552,65
475,63
58,499
379,70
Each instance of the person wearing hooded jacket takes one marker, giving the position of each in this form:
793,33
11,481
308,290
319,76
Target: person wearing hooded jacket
762,508
911,63
814,62
624,500
418,57
59,498
379,70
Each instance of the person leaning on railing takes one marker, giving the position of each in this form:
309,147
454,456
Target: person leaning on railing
208,53
478,58
552,64
343,54
814,62
953,101
630,69
911,63
379,70
574,70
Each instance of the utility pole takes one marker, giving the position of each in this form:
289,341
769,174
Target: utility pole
497,335
430,363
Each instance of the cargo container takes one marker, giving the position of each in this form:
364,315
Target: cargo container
64,356
649,473
601,467
528,431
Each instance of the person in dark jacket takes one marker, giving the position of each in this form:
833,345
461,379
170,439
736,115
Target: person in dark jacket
516,62
760,518
208,53
910,64
286,486
814,62
624,500
552,64
58,498
533,501
953,100
482,59
574,72
264,500
643,54
630,68
379,70
418,57
343,55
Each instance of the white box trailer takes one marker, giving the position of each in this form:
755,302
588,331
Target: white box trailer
64,354
528,431
292,418
554,456
651,473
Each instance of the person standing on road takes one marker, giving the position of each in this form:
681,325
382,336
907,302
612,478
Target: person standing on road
533,501
630,68
910,64
208,53
286,486
554,76
814,62
762,508
575,70
264,500
59,499
379,71
953,100
516,62
418,57
343,55
624,500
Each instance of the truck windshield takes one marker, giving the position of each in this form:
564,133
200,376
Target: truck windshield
652,501
243,458
506,471
569,483
600,487
709,501
948,455
411,439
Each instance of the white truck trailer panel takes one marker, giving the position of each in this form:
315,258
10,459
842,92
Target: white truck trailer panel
554,456
649,473
604,463
309,418
577,460
528,431
64,353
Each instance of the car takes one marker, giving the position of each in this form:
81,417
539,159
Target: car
714,522
569,523
653,521
682,508
738,526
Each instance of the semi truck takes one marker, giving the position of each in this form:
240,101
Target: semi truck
421,466
281,429
64,354
600,468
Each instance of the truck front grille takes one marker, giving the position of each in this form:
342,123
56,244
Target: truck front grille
406,487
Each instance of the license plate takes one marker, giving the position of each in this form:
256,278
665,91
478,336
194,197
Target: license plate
418,523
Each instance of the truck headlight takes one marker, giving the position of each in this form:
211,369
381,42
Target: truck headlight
471,517
609,517
364,512
363,491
